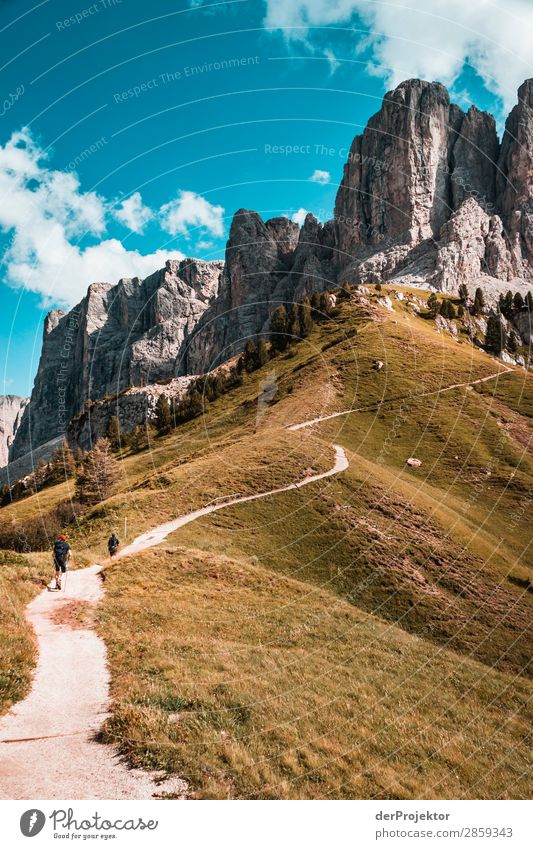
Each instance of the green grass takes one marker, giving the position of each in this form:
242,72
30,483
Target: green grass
378,549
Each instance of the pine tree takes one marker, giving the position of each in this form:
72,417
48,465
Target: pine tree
294,323
249,357
433,304
209,387
162,415
512,342
40,474
195,404
443,308
518,301
137,439
346,292
315,306
220,381
529,302
262,353
306,318
113,432
278,329
463,292
495,335
63,462
5,495
326,304
460,311
479,301
507,307
97,474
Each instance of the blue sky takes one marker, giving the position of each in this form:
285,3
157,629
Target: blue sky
132,131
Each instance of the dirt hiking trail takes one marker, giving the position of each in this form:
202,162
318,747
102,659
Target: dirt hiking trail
48,746
47,742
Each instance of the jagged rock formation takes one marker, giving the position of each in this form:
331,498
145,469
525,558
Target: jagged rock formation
133,407
11,409
118,336
514,181
266,263
425,182
428,198
258,254
397,180
471,245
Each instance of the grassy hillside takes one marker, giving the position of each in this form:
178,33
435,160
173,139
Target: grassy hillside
367,635
253,685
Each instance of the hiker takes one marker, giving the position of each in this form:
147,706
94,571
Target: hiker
113,544
62,554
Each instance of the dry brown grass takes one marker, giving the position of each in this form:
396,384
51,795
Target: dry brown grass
22,576
253,685
248,659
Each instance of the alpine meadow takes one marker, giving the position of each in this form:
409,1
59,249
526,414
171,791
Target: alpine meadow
265,515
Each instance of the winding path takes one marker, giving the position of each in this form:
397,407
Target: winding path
157,535
48,745
414,397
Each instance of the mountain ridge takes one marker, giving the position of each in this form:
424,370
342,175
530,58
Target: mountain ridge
428,198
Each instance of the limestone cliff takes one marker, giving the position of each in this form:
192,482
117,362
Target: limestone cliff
129,334
11,409
429,197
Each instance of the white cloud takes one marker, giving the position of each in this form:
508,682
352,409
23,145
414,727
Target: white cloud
192,211
333,62
431,39
45,215
299,216
133,213
319,176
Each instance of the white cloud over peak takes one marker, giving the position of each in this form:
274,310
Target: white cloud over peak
319,176
431,39
299,216
133,213
56,241
190,211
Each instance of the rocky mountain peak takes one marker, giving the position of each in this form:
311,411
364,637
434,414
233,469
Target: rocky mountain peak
398,181
428,197
122,335
52,320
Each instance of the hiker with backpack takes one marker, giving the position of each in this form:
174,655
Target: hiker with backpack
113,544
62,554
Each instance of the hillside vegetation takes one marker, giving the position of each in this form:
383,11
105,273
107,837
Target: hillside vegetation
368,635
